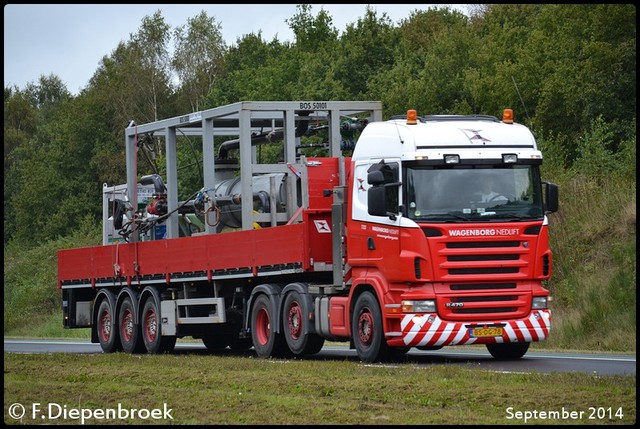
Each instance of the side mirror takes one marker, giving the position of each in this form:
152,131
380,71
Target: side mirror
382,200
377,201
551,197
375,178
383,195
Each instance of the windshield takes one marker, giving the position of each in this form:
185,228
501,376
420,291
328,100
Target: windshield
473,193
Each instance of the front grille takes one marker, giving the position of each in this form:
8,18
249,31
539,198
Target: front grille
484,272
480,301
482,258
469,258
469,271
481,244
483,286
485,298
485,310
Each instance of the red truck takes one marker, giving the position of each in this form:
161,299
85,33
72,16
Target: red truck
392,247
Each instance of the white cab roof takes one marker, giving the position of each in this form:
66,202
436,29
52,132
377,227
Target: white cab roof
469,138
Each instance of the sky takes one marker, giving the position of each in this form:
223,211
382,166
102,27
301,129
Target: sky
69,41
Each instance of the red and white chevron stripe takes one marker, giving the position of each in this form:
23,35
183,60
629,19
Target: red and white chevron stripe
429,330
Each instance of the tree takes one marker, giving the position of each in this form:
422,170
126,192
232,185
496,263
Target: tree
253,70
198,57
20,124
49,91
366,48
312,33
564,65
151,56
430,60
134,81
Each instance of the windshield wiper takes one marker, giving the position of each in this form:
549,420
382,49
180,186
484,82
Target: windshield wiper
503,216
444,216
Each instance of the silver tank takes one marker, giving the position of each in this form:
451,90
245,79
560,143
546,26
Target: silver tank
230,207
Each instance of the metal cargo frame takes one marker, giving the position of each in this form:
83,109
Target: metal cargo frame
241,119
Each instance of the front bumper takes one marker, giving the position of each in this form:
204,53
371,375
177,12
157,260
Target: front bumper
428,330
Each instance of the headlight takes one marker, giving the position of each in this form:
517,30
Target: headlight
427,306
539,302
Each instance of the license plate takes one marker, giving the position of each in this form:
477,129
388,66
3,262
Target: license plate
486,332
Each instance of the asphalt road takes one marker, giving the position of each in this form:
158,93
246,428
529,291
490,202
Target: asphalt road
533,361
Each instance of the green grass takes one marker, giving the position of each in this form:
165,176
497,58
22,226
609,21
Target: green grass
204,389
593,239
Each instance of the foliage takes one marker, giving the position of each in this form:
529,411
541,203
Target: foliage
198,57
30,279
429,69
367,49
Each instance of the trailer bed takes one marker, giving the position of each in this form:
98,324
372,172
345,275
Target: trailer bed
214,256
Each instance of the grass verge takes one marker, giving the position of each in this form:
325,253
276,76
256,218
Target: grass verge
204,389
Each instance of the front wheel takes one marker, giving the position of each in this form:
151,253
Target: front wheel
508,351
366,328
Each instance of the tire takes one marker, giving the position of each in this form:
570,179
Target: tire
240,344
508,351
366,328
314,344
266,342
130,334
106,328
215,342
151,326
294,327
397,354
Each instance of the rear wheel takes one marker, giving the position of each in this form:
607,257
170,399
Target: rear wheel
266,341
106,328
129,329
508,351
154,342
299,340
367,332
